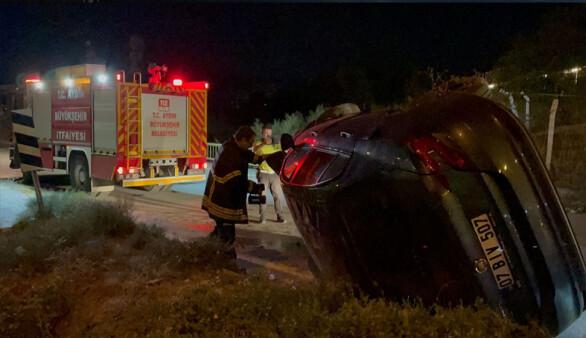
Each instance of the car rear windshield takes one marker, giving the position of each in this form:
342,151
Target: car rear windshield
307,166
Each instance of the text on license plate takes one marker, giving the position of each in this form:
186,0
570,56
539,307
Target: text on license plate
493,250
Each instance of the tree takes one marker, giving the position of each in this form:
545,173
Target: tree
539,65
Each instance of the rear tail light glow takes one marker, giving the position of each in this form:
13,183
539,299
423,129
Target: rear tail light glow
32,80
310,141
131,170
120,170
434,153
197,166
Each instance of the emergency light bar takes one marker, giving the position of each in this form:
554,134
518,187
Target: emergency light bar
32,80
202,85
177,82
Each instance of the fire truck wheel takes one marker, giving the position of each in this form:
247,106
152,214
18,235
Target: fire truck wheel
80,175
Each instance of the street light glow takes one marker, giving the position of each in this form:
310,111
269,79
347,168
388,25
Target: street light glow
491,86
575,70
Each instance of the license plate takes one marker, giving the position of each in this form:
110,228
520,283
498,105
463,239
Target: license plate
493,250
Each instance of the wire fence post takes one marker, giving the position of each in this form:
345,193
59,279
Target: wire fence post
37,185
550,132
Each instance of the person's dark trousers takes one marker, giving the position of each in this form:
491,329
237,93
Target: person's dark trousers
225,231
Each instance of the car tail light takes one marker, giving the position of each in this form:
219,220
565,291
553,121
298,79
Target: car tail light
434,153
120,170
205,165
196,166
131,170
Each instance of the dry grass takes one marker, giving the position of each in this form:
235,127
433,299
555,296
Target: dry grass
92,271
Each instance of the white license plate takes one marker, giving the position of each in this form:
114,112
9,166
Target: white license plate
493,250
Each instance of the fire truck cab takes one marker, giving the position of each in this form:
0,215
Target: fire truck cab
100,130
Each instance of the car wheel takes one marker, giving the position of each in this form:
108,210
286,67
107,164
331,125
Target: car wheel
80,175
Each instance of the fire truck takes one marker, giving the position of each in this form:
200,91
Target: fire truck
101,130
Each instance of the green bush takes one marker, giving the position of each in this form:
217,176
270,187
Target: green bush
291,123
254,306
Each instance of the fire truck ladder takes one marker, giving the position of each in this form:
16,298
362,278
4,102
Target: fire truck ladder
133,148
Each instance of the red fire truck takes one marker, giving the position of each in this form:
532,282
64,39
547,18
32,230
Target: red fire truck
99,129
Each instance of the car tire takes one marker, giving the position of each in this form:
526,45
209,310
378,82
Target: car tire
80,174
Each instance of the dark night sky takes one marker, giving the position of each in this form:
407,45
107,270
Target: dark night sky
276,51
272,42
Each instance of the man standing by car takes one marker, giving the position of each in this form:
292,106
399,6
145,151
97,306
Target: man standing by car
266,175
227,185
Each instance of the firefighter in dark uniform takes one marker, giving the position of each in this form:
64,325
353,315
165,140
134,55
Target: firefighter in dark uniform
227,185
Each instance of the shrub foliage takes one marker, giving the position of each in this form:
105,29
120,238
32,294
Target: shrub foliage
85,268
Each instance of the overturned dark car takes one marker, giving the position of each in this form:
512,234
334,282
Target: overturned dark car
448,201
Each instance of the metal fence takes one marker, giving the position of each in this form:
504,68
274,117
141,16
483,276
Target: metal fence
213,150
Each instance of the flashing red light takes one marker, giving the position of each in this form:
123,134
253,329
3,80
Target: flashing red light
310,141
205,165
120,170
178,82
32,80
200,85
118,77
131,171
196,166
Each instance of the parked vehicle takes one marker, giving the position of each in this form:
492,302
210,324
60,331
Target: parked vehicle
447,201
100,129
